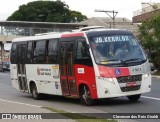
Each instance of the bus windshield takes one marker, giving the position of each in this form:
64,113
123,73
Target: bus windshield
116,49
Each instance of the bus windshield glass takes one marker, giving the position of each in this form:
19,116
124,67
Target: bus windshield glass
116,49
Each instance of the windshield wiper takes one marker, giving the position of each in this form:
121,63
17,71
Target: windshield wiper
133,60
115,61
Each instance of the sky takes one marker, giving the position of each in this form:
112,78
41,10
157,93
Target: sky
124,8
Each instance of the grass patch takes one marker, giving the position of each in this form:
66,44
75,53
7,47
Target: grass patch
78,117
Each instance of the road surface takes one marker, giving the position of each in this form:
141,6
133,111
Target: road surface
149,102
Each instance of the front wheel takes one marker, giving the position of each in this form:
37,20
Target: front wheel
134,98
86,96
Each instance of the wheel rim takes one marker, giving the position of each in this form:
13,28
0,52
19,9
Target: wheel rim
86,96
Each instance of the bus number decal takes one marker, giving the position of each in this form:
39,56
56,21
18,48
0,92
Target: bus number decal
80,70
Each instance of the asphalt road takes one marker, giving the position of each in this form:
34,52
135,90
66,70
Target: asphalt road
149,102
12,108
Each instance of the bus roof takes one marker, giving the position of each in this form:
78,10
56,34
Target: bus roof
108,32
91,32
48,36
38,37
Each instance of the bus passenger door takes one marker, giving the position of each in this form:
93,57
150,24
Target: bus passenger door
67,77
21,69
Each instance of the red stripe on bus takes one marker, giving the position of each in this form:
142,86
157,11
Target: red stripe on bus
109,72
72,35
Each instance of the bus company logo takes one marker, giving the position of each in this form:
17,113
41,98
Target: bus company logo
6,116
117,71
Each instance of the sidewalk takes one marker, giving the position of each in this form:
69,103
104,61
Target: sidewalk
156,76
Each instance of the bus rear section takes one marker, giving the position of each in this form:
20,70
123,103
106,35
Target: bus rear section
88,65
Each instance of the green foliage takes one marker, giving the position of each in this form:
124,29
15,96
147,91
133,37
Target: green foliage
46,11
76,16
149,34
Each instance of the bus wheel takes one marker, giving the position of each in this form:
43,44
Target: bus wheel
134,98
86,96
34,92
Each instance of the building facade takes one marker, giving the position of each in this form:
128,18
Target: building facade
148,11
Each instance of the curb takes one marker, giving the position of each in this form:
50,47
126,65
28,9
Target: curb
155,76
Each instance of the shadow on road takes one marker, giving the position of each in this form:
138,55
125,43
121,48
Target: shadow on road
101,102
115,102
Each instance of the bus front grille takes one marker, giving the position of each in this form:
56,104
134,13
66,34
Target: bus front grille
131,78
133,88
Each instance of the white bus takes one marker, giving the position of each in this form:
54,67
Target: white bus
90,65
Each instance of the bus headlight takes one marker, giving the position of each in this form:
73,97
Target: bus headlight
111,80
146,75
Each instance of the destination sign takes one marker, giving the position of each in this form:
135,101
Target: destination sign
102,39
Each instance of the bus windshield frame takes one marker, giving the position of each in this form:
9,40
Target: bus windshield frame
117,50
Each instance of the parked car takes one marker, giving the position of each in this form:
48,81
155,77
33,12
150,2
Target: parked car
5,66
0,66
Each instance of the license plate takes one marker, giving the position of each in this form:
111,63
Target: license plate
130,84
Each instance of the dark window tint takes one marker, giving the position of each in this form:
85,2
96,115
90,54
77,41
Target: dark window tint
29,52
52,51
82,51
39,52
70,58
62,58
13,53
23,53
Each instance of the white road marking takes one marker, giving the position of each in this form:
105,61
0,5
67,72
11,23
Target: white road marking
20,103
153,98
5,74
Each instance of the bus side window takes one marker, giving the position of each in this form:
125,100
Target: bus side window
82,51
34,52
53,51
14,54
39,52
29,53
46,52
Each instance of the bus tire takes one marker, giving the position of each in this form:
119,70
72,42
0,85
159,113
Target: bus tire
85,96
134,98
34,92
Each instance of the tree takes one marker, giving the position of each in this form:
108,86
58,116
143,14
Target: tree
149,34
46,11
76,16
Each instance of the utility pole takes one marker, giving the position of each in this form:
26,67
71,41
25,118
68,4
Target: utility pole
114,13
